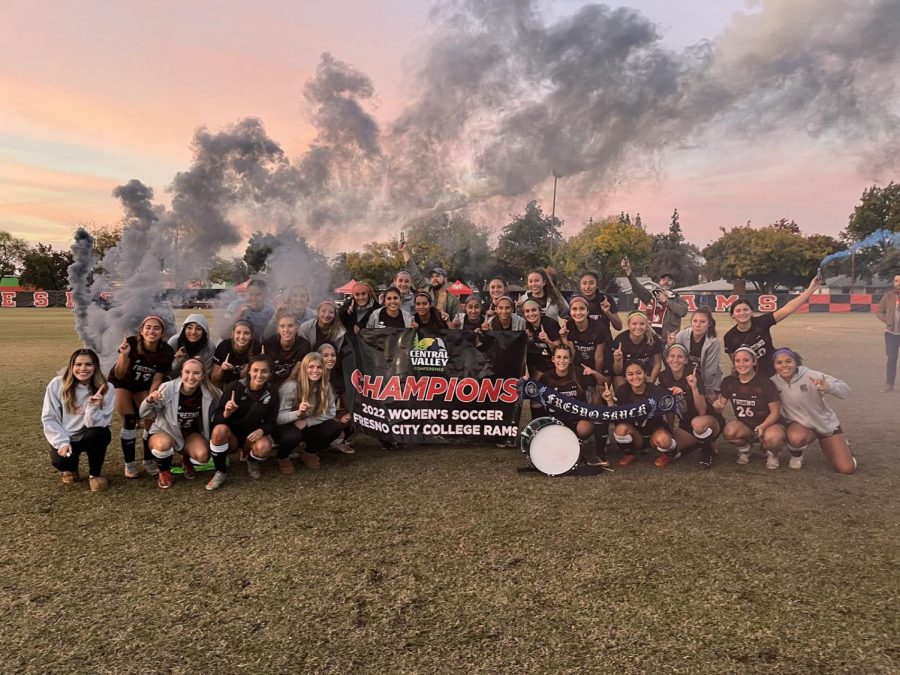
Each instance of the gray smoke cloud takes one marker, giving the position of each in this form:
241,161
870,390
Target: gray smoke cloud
502,97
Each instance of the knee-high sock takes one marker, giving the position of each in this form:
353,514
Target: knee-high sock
220,456
127,436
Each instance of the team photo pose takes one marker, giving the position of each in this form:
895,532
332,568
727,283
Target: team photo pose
286,349
295,303
471,318
192,342
356,310
324,328
504,317
809,417
635,435
403,282
253,308
426,315
245,419
181,410
233,354
307,415
77,411
664,307
703,350
588,339
699,424
392,314
497,288
336,379
542,290
562,378
601,307
755,331
757,410
638,344
543,339
144,361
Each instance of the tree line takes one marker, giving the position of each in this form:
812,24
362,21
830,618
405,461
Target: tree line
776,256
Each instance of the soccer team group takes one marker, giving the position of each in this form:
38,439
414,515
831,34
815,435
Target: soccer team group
270,385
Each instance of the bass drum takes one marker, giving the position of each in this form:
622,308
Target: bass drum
550,446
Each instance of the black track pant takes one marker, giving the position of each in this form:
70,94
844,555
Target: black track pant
94,443
317,437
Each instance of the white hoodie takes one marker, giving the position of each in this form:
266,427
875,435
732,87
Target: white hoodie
801,402
166,411
61,426
205,355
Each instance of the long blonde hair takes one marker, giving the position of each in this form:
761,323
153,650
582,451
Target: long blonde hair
317,394
331,333
70,384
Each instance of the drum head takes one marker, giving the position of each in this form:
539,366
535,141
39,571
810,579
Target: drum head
554,450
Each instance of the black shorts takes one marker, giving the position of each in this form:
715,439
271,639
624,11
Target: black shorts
653,424
128,383
685,423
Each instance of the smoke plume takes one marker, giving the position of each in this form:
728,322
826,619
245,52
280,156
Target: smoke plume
502,97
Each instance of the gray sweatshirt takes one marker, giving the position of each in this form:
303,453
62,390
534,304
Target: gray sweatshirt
166,411
801,402
710,361
62,426
290,401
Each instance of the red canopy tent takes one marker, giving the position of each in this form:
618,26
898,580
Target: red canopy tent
241,287
346,288
459,288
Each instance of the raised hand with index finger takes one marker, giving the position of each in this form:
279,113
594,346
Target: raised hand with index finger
97,398
124,348
230,405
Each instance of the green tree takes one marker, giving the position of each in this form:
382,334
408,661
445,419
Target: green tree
44,268
455,243
600,247
878,209
527,242
12,253
227,271
378,261
672,254
768,256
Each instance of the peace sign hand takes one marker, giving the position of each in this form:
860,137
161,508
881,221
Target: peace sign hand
820,384
230,405
97,398
608,395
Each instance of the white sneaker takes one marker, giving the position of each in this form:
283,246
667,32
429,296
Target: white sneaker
151,467
743,457
217,481
796,462
772,460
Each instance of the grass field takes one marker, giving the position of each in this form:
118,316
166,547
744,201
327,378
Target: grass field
447,560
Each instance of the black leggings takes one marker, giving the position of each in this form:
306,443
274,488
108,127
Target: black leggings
317,437
94,443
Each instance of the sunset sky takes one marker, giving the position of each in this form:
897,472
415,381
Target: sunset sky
93,94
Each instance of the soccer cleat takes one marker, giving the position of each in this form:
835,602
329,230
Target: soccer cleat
164,480
217,481
772,460
131,470
286,466
663,460
796,462
70,477
743,457
706,457
98,483
627,459
151,467
253,469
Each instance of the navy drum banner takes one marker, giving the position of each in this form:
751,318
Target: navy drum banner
448,386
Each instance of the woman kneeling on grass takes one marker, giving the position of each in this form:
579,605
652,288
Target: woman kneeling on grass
809,417
567,384
245,418
78,408
306,414
756,407
632,436
699,425
182,410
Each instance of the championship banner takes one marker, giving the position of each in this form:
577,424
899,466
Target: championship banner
448,386
650,407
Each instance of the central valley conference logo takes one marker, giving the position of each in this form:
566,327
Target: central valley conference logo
429,354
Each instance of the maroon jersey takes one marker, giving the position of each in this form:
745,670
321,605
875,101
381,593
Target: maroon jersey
143,367
190,411
226,348
750,400
285,359
758,338
594,335
642,352
625,395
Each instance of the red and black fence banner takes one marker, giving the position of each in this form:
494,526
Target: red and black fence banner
823,302
416,386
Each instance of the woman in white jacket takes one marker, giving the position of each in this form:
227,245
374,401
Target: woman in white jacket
182,410
306,414
77,411
808,416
